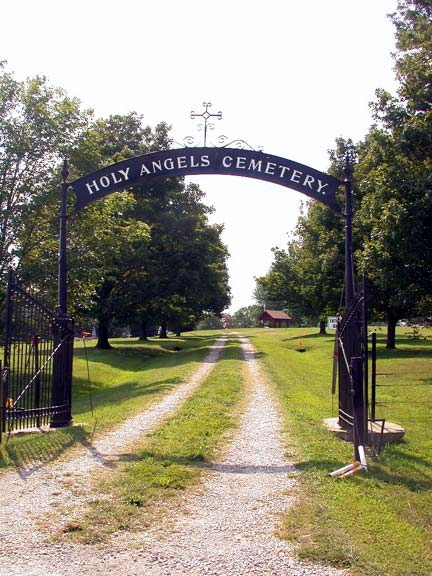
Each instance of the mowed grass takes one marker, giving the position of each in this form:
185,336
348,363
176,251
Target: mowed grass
108,387
172,458
378,523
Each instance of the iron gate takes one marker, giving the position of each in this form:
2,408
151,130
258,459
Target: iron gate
37,369
353,369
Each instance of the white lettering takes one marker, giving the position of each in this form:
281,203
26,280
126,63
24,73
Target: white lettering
283,170
241,162
114,178
227,161
295,176
182,161
321,186
194,163
93,187
125,173
248,163
308,181
270,168
255,165
205,160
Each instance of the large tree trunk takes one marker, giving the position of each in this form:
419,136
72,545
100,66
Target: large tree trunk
103,333
105,318
322,327
392,319
163,330
143,329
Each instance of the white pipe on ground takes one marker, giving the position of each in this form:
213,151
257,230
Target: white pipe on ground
344,469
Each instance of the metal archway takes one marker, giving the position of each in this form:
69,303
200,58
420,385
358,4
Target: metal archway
250,164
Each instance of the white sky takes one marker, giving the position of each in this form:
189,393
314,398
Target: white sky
288,76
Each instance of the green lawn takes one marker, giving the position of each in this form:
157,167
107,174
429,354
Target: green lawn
376,522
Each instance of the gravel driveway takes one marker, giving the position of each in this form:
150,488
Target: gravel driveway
225,528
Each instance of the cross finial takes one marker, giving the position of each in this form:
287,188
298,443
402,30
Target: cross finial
206,115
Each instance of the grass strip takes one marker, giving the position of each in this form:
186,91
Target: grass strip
169,460
123,382
377,523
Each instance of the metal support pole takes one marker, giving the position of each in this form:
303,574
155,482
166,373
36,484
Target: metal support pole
349,268
365,354
61,391
345,399
373,377
62,262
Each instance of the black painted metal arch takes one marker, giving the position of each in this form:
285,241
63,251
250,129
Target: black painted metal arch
195,161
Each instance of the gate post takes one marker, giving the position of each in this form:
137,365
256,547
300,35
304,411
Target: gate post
349,268
373,377
61,392
345,395
62,262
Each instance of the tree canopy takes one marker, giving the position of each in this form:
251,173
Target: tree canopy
148,252
395,176
392,198
39,125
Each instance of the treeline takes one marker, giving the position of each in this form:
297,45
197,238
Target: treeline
144,257
392,202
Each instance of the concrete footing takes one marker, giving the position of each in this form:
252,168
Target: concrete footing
379,432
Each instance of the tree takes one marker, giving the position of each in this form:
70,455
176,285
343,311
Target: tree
177,275
394,176
116,249
307,277
247,317
106,242
209,322
185,273
392,223
180,271
38,126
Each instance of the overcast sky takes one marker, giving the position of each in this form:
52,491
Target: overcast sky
289,77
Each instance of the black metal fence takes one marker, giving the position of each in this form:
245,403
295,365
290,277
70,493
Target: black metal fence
37,369
353,369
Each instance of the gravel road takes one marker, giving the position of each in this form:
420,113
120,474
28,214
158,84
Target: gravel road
226,527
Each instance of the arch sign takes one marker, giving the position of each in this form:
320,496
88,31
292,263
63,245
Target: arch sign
190,161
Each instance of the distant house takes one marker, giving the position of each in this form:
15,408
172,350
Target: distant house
274,318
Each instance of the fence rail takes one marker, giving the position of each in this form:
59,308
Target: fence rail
37,367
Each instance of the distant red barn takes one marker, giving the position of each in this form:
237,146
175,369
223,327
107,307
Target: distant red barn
275,318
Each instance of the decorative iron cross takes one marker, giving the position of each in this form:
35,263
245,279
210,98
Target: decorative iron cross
206,115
